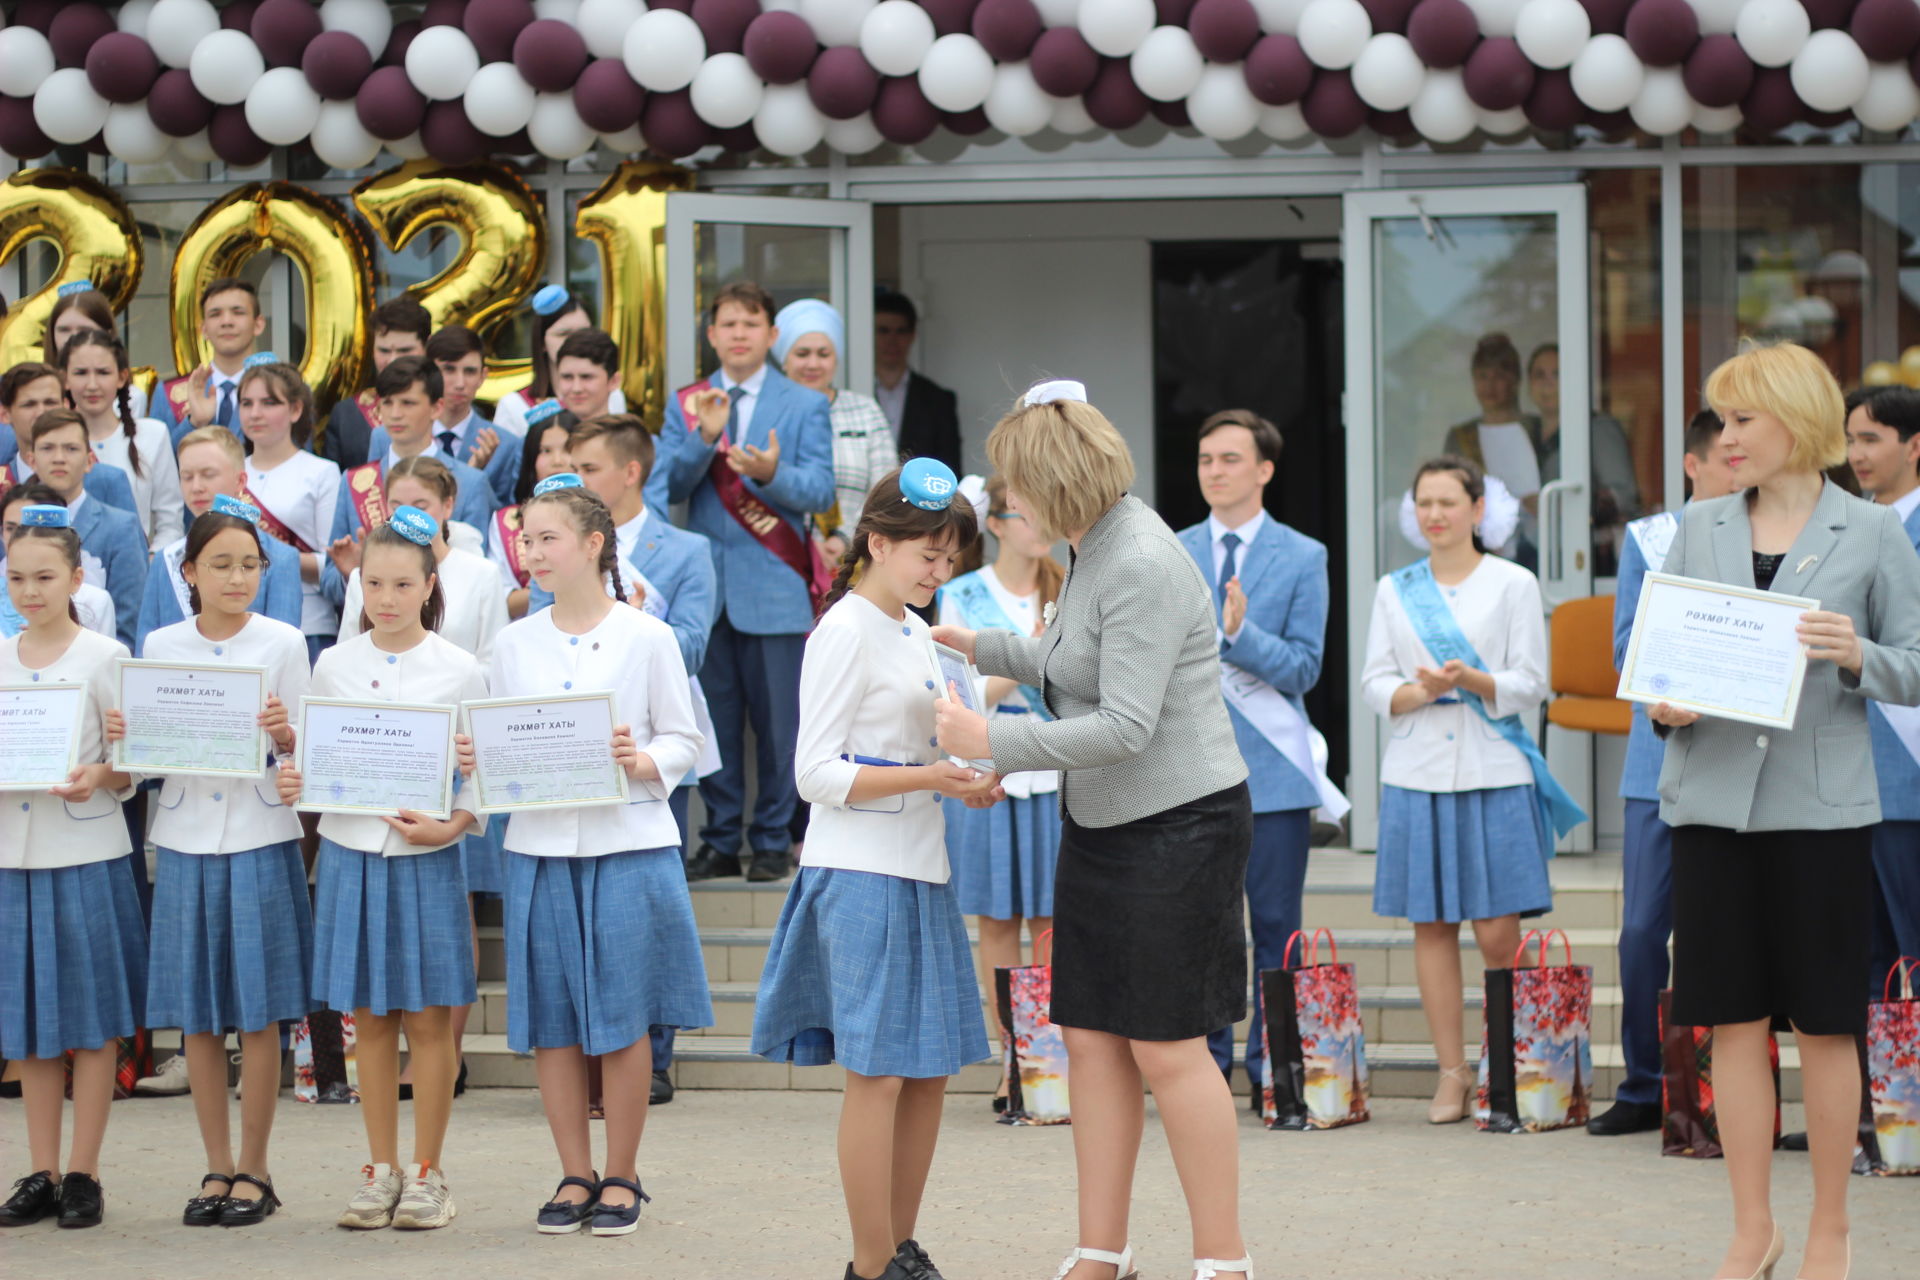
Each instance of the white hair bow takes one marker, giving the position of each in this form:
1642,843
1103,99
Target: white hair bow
974,490
1057,389
1496,528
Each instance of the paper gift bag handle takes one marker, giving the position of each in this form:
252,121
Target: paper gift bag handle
1044,940
1310,947
1546,937
1905,966
1333,948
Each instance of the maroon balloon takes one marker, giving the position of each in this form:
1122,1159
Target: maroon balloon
1663,32
1397,125
1063,63
1913,66
443,13
1614,126
1331,106
607,97
1607,17
1442,32
966,123
233,140
1498,76
1223,30
1718,72
1007,28
175,106
1173,13
1278,70
395,54
1114,100
493,26
842,83
740,139
517,143
780,47
678,6
38,14
950,17
724,22
336,65
550,54
238,16
1553,105
902,113
1389,16
73,31
1828,14
671,126
19,135
283,29
1771,104
121,67
450,137
1174,115
388,105
1886,30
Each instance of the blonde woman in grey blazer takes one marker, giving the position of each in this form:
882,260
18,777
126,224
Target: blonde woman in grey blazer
1149,947
1772,869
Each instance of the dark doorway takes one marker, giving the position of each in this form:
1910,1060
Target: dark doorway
1256,324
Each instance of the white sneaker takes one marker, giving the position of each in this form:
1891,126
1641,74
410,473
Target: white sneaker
426,1203
169,1080
372,1205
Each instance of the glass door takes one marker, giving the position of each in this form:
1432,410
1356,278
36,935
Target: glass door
1452,297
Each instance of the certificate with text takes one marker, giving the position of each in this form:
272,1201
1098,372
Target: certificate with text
39,734
376,758
545,753
193,721
1731,652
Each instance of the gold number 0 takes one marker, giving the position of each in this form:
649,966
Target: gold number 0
95,233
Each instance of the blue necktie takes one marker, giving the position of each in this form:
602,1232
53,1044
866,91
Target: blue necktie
1229,568
447,439
224,417
735,394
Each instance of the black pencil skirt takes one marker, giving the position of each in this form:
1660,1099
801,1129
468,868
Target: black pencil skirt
1772,924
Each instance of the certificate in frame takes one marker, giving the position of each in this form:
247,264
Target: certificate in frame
374,759
550,752
191,720
30,716
1719,650
951,668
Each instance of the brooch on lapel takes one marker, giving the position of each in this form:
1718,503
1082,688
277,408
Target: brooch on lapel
1046,614
1804,562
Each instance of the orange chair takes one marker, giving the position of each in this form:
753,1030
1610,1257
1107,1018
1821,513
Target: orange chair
1582,674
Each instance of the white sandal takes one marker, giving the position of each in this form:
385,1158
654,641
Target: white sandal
1209,1268
1123,1260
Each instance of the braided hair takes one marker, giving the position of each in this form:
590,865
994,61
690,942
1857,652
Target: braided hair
887,513
109,341
589,515
37,493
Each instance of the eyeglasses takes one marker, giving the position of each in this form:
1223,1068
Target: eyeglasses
237,569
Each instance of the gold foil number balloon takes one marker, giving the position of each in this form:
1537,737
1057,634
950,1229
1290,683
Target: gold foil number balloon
503,246
627,218
332,257
94,232
1881,373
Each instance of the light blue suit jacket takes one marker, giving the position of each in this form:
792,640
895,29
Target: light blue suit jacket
278,597
474,506
759,593
502,469
1640,776
103,481
680,564
1898,773
1284,637
113,537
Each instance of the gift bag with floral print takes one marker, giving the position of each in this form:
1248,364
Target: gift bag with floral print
1036,1052
1536,1052
1892,1146
323,1064
1315,1066
1690,1126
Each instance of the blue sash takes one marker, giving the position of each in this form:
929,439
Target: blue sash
976,601
1437,628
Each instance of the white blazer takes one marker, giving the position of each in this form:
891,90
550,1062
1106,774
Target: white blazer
435,670
230,815
301,492
638,658
156,489
37,828
1447,746
476,608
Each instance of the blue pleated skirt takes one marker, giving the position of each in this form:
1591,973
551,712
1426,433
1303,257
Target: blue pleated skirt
232,942
1003,857
391,933
1461,855
483,857
73,958
873,972
600,949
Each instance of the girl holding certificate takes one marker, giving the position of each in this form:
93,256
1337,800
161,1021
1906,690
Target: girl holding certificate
391,929
232,932
73,953
1456,655
869,966
600,936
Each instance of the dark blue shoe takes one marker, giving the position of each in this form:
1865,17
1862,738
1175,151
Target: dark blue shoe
563,1217
619,1219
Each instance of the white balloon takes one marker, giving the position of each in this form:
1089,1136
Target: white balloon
225,66
956,75
195,148
1716,119
557,129
1387,74
895,36
1442,111
1221,105
836,21
663,51
1016,106
408,148
339,139
1496,17
1284,123
175,29
788,124
1333,32
133,17
26,60
1280,17
567,11
1116,27
1717,17
1501,124
442,62
1070,117
1167,66
1891,100
726,92
1772,31
369,21
604,24
1058,13
854,137
132,135
67,109
1830,72
626,142
1552,32
1607,74
499,100
1662,105
282,107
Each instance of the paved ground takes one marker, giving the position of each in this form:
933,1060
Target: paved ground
744,1185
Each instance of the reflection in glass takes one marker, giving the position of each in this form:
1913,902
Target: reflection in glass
789,262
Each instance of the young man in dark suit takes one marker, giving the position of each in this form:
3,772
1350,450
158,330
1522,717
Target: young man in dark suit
924,415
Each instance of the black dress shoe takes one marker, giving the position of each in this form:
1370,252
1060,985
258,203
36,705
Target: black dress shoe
81,1204
460,1081
770,866
912,1259
1626,1117
1793,1142
34,1197
563,1217
708,863
244,1213
406,1091
204,1211
618,1219
661,1091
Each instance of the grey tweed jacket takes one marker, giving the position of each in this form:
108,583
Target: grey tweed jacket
1131,665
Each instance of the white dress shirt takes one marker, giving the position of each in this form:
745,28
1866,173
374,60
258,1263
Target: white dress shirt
463,431
476,609
229,815
893,399
1218,532
1024,613
744,410
867,689
434,671
637,657
300,493
1904,507
156,488
37,828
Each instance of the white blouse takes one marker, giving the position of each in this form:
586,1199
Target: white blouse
1448,746
476,608
156,489
636,657
37,828
1024,613
435,670
300,493
867,689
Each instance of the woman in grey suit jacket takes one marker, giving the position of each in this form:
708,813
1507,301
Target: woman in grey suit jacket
1771,862
1149,946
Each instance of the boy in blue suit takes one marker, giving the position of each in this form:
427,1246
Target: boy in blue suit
460,432
231,322
751,454
28,390
113,549
1270,591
